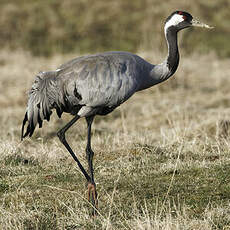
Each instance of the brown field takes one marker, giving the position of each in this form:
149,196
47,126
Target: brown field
162,159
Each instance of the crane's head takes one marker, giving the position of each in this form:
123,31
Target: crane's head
179,20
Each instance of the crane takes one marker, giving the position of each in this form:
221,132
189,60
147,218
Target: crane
95,85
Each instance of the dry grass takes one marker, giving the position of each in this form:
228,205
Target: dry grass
50,27
162,159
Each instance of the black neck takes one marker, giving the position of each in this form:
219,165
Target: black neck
161,72
173,53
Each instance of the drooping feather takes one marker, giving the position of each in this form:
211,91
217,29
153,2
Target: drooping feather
40,101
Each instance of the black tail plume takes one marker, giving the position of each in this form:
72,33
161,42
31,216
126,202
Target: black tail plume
30,127
42,97
23,124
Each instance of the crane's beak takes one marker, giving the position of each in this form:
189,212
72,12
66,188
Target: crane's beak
200,24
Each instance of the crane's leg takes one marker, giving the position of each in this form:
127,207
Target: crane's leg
61,135
92,193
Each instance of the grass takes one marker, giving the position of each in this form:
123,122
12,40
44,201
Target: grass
50,27
161,160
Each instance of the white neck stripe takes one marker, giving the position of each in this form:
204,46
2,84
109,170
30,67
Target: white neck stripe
173,21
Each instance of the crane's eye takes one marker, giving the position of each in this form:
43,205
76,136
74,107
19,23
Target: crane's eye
181,13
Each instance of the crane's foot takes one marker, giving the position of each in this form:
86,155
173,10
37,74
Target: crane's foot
92,197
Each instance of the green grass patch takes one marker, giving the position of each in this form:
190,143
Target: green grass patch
46,28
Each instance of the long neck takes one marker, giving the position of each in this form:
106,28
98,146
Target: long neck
167,68
172,59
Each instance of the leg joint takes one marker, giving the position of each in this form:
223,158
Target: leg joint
61,136
89,152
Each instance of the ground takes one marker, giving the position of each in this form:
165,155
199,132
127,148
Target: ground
162,159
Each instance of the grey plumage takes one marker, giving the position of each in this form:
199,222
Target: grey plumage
96,85
43,97
88,85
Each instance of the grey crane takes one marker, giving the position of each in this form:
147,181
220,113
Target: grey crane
96,84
